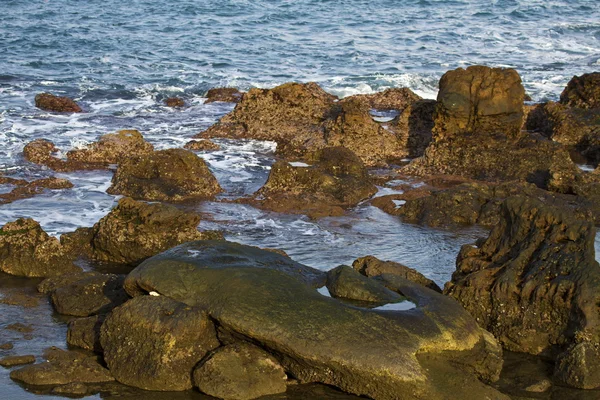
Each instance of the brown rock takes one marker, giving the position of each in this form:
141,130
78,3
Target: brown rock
49,285
26,189
134,231
49,102
11,361
174,102
201,145
19,327
336,180
240,372
20,299
154,343
71,389
96,294
389,99
413,127
165,175
579,366
112,148
6,346
534,283
228,95
26,250
371,267
85,333
40,151
479,100
582,91
345,283
63,368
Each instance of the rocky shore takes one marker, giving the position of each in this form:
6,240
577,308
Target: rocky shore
155,305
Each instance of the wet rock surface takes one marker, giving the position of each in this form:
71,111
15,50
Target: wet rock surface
12,361
134,231
330,181
390,99
26,250
165,175
228,95
349,347
50,102
85,333
533,283
26,189
112,148
371,267
240,372
346,283
154,342
201,145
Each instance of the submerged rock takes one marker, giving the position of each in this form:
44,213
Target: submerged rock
165,175
319,339
201,145
534,284
240,372
134,231
26,250
50,102
25,189
154,343
227,95
174,102
334,180
371,267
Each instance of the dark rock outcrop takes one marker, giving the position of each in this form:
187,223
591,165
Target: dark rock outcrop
85,333
134,231
165,175
154,343
582,91
345,283
534,284
371,266
227,95
50,102
414,125
319,339
334,180
26,250
240,372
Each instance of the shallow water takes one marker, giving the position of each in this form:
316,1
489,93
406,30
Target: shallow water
119,60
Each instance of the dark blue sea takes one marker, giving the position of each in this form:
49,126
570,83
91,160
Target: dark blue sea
120,59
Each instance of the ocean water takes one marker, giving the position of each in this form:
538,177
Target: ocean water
120,59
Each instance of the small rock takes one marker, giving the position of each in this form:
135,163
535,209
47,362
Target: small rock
11,361
539,387
19,327
6,346
240,372
201,145
174,102
50,102
228,95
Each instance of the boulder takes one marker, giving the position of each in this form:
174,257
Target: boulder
96,294
371,267
63,367
50,102
479,100
165,175
227,95
26,250
534,283
319,339
134,231
174,102
582,91
345,283
154,342
112,148
85,333
240,372
332,180
202,145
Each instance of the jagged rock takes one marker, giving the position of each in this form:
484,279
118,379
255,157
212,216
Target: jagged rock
78,242
12,361
50,102
63,367
174,102
134,231
201,145
26,250
345,283
240,372
582,91
228,95
154,342
112,148
165,175
534,282
479,100
334,180
85,333
389,99
371,267
95,294
319,339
